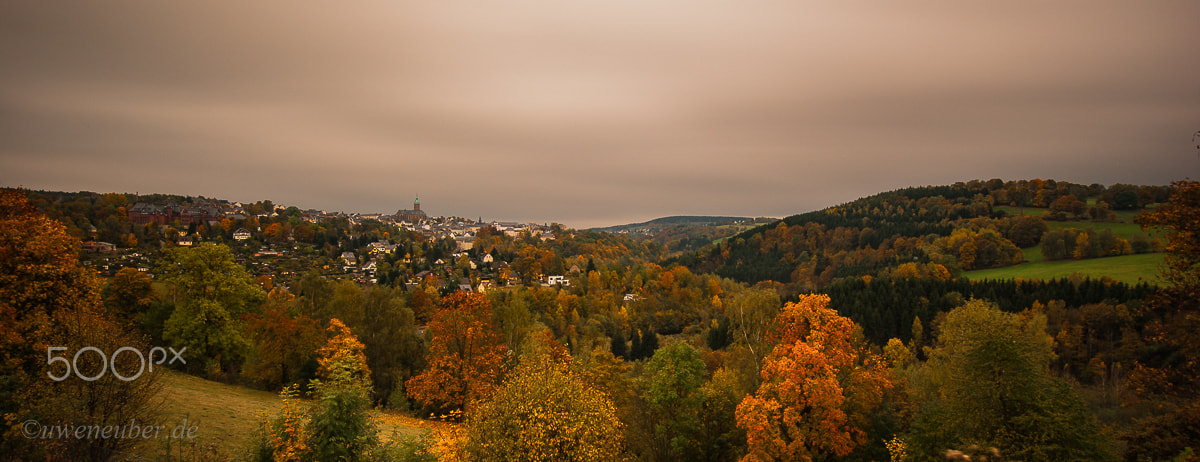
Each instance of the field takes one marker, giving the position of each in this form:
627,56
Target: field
226,416
1130,269
1123,216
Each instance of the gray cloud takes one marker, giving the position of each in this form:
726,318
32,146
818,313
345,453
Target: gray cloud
591,113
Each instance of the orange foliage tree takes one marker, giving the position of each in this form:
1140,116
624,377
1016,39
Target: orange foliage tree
820,385
465,354
282,344
50,305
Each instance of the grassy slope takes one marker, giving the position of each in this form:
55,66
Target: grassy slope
227,415
1126,268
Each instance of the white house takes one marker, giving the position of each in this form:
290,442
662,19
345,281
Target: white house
241,234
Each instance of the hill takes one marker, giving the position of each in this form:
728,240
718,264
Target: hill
961,227
686,233
658,224
226,416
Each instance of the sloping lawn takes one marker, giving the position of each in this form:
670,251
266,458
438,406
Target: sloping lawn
225,418
1130,269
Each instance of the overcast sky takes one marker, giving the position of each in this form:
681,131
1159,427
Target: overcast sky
591,112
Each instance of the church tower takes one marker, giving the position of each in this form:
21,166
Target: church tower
417,203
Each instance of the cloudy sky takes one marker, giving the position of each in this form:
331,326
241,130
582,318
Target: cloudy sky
589,112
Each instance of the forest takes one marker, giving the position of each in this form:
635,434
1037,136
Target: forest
845,334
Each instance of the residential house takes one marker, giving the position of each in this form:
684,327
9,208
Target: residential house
143,213
98,247
381,247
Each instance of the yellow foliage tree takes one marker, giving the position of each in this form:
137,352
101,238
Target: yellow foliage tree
544,412
48,300
1081,246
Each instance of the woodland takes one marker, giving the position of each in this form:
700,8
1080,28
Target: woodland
844,334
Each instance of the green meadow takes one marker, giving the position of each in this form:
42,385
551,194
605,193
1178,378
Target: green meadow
1130,269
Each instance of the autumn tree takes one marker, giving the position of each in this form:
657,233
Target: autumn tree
340,427
129,293
465,354
1026,231
979,249
819,386
1179,220
421,305
277,232
544,411
40,274
1077,243
987,382
1174,329
1068,204
336,425
304,232
282,344
48,301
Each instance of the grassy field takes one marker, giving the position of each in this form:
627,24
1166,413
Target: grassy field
226,416
1130,269
1123,216
1126,268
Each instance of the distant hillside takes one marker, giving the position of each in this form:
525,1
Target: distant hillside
649,227
945,229
687,233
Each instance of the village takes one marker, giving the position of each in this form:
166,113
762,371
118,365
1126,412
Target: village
284,243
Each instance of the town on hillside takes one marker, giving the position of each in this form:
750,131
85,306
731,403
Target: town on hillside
286,242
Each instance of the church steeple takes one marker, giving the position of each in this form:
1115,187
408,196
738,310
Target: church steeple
417,203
